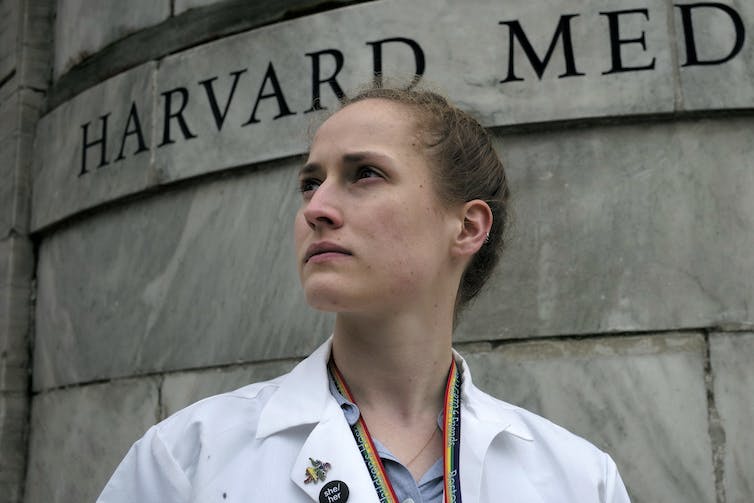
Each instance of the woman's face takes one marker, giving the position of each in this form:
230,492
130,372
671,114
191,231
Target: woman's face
371,233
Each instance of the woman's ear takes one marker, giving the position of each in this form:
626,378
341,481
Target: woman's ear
477,222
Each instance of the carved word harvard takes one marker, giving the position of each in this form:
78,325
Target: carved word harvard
174,101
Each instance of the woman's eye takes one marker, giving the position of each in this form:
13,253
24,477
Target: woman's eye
367,172
308,185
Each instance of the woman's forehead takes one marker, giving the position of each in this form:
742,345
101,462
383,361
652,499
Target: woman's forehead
369,120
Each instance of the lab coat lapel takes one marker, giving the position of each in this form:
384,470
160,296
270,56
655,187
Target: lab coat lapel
476,437
485,420
303,398
505,478
331,441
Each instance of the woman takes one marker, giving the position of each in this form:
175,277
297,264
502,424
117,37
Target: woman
401,222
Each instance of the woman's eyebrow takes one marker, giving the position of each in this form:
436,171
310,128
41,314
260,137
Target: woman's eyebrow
356,157
308,169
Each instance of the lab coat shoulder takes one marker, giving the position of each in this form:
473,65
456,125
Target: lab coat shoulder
547,462
173,458
241,444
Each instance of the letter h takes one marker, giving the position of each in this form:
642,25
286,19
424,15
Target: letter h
101,141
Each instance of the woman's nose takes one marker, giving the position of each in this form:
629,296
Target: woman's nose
323,209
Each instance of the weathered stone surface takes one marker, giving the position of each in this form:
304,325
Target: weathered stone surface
618,229
17,116
59,186
728,84
466,52
272,7
79,435
731,357
630,228
9,17
184,5
35,58
196,277
469,70
16,269
184,388
642,399
9,115
106,22
187,29
10,87
13,414
8,191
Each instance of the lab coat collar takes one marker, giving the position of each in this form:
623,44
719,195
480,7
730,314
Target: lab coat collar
498,415
304,398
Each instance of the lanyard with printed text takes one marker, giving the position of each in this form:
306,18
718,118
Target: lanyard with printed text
451,439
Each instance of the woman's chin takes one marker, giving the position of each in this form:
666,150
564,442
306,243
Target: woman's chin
325,298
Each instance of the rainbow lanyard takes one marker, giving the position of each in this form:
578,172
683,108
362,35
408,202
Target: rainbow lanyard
451,419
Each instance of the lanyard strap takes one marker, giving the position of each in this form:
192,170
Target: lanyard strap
451,441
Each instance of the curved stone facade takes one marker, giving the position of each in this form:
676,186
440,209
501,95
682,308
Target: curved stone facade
162,195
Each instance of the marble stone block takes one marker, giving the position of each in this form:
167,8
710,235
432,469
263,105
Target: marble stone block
83,28
184,388
184,5
467,62
9,87
16,270
729,84
277,7
641,399
35,55
9,21
624,228
59,187
8,193
251,97
17,116
199,276
731,357
79,435
13,416
9,114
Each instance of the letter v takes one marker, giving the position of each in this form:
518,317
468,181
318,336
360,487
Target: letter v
209,89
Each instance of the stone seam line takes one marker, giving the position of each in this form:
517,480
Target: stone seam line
716,429
492,344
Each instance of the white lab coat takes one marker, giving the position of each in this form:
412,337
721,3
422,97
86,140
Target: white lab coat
254,444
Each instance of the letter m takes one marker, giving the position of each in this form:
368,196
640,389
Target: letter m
563,31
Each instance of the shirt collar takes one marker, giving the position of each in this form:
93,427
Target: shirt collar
351,410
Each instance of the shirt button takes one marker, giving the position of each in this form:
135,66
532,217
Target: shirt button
408,500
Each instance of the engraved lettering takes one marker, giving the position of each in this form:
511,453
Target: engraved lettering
101,141
562,32
133,127
616,42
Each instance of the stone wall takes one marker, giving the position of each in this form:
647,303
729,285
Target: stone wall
24,66
163,194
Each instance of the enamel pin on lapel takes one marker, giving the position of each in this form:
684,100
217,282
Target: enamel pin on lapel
317,472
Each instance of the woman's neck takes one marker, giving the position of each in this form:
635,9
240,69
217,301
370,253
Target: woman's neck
395,367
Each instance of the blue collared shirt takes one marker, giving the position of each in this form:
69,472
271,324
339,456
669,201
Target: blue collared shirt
430,486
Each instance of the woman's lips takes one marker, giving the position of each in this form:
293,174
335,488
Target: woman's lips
323,251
